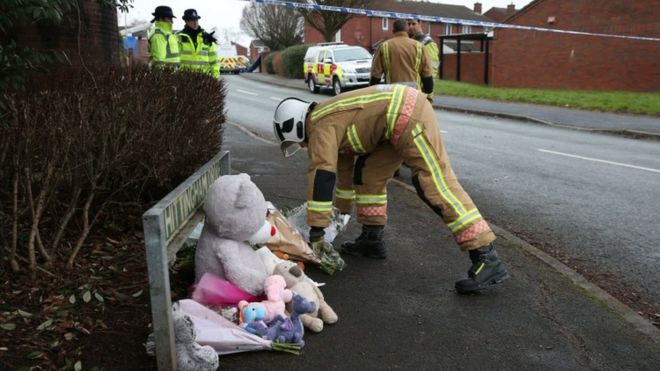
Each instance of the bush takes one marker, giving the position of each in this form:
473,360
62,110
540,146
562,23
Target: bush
268,62
293,58
77,147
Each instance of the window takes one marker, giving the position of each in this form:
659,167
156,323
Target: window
466,29
429,30
385,22
338,36
351,54
447,29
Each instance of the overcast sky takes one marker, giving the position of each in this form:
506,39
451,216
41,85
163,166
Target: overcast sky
226,14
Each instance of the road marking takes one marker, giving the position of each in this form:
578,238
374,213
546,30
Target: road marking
603,161
276,98
443,131
246,92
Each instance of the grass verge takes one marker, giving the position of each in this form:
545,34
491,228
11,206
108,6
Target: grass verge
607,101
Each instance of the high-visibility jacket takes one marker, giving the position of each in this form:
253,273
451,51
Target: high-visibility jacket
402,60
432,49
199,56
163,46
384,124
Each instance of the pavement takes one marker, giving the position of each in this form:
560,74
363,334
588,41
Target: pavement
625,124
403,313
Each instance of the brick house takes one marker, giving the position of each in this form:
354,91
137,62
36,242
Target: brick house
256,48
499,14
522,58
369,31
240,49
98,33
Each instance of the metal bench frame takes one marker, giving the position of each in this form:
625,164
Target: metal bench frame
166,227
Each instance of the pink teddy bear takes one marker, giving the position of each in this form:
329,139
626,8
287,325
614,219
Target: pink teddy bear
277,296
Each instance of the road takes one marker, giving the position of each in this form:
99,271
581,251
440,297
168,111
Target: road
591,199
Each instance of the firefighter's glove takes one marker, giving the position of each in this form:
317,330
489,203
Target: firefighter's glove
331,261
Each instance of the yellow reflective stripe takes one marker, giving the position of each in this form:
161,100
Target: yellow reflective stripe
394,108
480,268
186,52
321,206
386,60
371,199
345,194
418,61
354,139
436,172
347,102
464,220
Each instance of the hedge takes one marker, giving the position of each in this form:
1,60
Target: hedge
82,143
293,58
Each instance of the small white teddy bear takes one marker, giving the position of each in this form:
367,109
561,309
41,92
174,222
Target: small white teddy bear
191,356
235,212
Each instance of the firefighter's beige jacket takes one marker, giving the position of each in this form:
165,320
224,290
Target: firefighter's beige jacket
402,60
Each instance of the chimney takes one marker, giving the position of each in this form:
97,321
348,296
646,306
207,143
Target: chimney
510,9
477,8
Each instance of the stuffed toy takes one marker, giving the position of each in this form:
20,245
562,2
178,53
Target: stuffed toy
191,356
290,330
277,295
235,212
251,317
298,282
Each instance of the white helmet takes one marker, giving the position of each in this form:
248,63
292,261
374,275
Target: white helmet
289,124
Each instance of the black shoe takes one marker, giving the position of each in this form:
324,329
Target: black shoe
369,243
486,270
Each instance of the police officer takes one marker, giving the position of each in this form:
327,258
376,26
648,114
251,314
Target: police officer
415,32
403,61
198,48
386,124
163,45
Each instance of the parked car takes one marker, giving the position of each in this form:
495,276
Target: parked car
336,66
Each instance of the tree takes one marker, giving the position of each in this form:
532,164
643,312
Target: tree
328,23
278,27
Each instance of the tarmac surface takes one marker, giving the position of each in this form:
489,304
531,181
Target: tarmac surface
403,313
645,126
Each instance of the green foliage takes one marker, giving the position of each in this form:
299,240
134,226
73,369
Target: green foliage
268,62
293,58
607,101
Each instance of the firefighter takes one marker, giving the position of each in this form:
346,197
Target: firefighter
386,124
415,32
198,48
163,45
403,61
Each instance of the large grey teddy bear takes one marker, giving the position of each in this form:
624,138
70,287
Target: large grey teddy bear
235,212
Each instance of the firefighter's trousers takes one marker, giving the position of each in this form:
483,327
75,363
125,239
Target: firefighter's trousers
363,180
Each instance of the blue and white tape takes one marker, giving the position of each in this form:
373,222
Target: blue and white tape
428,18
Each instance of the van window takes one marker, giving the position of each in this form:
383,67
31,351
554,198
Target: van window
351,54
311,53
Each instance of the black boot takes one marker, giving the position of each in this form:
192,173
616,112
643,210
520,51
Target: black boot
486,270
369,243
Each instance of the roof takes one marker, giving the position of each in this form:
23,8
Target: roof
522,11
430,9
137,30
237,44
257,43
497,14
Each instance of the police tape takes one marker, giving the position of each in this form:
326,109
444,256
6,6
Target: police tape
428,18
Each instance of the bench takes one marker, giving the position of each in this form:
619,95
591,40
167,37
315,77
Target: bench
166,228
